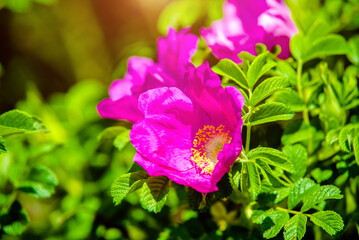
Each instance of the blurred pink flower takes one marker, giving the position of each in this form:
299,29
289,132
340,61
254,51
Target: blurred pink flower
246,23
191,134
174,52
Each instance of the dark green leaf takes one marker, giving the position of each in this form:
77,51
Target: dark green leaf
229,69
267,88
15,220
126,184
321,175
270,112
2,146
356,149
154,193
273,223
296,227
321,194
330,221
301,190
254,181
235,174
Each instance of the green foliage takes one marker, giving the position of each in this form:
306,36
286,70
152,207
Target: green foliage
330,221
228,68
15,220
295,227
321,194
154,193
270,112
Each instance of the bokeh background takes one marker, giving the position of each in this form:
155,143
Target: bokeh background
57,60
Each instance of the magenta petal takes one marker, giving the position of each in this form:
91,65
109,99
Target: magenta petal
124,108
176,50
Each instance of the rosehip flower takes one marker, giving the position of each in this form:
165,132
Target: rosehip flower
246,23
174,52
191,135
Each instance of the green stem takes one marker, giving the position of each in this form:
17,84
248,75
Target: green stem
248,138
287,180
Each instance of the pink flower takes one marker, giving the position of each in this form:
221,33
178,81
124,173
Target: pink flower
174,52
191,134
246,23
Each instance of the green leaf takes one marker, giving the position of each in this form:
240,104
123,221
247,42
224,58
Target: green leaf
154,193
122,139
333,136
273,223
126,184
286,70
229,69
39,182
331,44
297,46
356,149
2,146
301,190
258,216
323,193
281,194
270,112
321,175
297,155
330,221
267,88
15,121
353,54
256,69
111,133
254,181
235,174
269,174
15,220
296,227
290,99
273,157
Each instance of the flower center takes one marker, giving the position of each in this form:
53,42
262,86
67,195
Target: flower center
207,144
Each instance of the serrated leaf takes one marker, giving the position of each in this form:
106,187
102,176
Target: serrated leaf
298,156
323,193
330,221
281,194
296,227
270,112
224,187
258,216
273,157
154,193
301,190
273,223
39,182
254,181
229,69
15,220
356,149
269,174
333,136
268,87
126,184
255,69
2,146
15,122
235,174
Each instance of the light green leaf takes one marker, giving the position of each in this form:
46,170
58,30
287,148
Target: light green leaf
353,54
229,69
269,174
321,175
297,46
255,69
270,112
273,157
281,194
346,136
258,216
2,146
254,181
290,99
333,136
154,193
110,133
301,190
356,149
330,221
286,70
15,220
122,139
297,155
39,182
126,184
323,193
279,219
268,87
15,121
331,44
296,227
